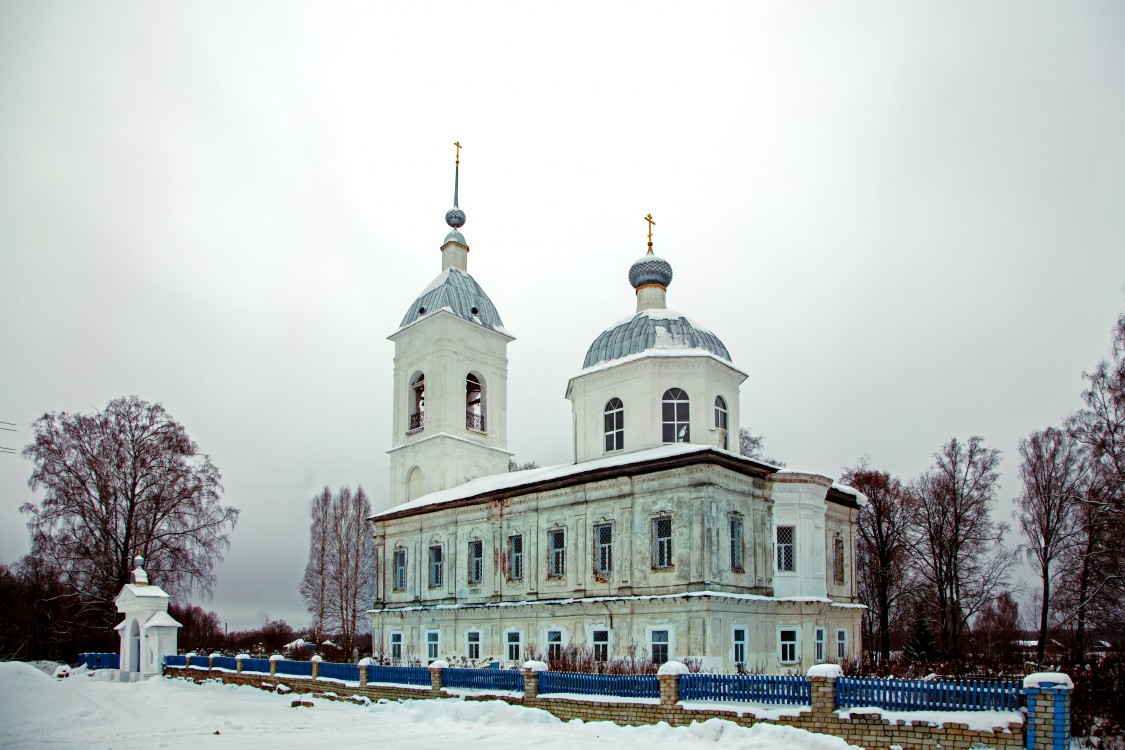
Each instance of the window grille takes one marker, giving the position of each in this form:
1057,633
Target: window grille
614,425
513,646
674,413
476,562
396,647
515,557
659,646
474,403
556,553
433,642
400,570
554,645
603,549
418,413
838,559
736,549
436,564
841,644
787,645
662,542
601,645
740,646
785,536
820,644
472,641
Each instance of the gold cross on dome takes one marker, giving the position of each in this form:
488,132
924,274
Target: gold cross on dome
458,157
651,223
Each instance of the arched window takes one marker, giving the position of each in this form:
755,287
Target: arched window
418,402
675,416
474,403
614,425
414,484
721,420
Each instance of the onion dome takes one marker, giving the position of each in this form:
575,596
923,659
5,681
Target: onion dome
455,218
650,269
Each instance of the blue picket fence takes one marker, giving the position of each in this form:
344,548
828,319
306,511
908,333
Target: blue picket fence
175,660
757,688
622,685
256,665
399,675
921,695
100,661
295,668
224,662
483,679
336,671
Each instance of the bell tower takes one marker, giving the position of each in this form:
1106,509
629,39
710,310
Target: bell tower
450,402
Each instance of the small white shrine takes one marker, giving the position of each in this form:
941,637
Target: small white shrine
148,633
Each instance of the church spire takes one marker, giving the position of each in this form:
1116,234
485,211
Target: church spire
455,217
454,250
650,276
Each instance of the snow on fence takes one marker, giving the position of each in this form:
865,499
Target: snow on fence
175,660
99,661
334,671
397,675
224,662
295,668
485,679
622,685
921,695
759,688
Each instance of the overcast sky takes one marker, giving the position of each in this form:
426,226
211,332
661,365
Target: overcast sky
906,221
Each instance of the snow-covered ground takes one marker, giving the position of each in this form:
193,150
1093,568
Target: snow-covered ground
89,711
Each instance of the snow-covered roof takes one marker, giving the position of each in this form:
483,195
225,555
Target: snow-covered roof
457,292
860,498
655,329
162,620
142,592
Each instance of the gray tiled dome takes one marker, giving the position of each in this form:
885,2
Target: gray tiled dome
650,269
652,329
459,292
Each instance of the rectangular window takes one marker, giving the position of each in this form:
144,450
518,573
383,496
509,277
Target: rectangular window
785,536
787,645
838,559
662,542
556,553
740,646
396,647
819,645
601,645
514,649
554,645
435,566
841,644
400,570
515,557
659,646
433,644
736,548
603,549
472,643
476,562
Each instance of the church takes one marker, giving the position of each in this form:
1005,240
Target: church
660,541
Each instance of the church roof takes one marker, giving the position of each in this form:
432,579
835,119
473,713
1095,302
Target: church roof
654,329
459,293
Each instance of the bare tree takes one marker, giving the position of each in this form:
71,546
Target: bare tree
122,482
314,586
956,544
753,446
1052,472
882,549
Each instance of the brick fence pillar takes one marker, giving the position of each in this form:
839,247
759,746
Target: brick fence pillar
1048,711
315,668
822,691
273,666
669,690
238,663
437,678
362,675
530,684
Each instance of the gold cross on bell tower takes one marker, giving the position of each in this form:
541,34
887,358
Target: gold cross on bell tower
651,223
457,158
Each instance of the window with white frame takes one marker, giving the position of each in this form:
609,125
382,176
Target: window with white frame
601,645
396,647
436,566
838,559
614,425
515,557
740,646
736,546
674,416
662,542
721,420
513,640
787,645
819,645
554,645
476,562
556,553
841,644
474,403
472,644
659,640
399,565
785,538
433,644
603,549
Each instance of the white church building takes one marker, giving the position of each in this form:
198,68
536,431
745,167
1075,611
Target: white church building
658,540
